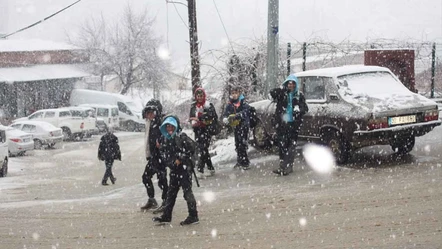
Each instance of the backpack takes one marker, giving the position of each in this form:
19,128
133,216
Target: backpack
215,127
192,146
253,118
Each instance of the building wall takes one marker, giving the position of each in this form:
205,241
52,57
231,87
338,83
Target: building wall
17,59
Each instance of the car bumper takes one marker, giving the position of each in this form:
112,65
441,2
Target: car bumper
385,135
22,147
53,140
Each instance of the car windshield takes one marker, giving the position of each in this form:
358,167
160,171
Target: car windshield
373,84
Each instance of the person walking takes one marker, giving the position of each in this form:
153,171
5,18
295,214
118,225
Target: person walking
237,115
288,117
152,113
108,151
177,149
202,116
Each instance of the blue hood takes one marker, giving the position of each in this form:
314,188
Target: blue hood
241,97
292,77
172,121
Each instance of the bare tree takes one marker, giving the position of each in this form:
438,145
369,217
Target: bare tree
126,49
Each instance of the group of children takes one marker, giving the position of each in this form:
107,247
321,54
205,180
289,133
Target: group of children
167,146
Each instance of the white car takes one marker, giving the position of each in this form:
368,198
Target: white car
18,142
3,151
43,133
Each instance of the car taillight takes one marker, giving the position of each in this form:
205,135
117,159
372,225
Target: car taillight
82,126
377,123
16,140
431,115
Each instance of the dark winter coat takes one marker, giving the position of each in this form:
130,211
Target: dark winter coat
154,129
280,96
242,112
177,146
109,149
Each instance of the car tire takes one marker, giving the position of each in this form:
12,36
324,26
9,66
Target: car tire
261,139
66,133
338,145
403,145
4,169
38,144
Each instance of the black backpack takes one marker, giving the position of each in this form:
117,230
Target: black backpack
253,118
215,127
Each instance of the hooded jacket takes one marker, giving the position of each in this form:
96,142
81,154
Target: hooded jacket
205,112
176,146
281,96
152,133
109,149
240,108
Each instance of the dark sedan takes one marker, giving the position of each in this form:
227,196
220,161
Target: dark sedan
352,107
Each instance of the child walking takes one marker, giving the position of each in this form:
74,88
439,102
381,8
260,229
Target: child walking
177,149
108,151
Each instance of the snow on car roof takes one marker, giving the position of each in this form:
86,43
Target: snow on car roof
39,123
338,71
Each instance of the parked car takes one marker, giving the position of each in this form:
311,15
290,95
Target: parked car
3,151
72,126
44,133
352,107
19,142
89,119
109,114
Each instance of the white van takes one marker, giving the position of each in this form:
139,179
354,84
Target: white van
108,113
3,151
129,112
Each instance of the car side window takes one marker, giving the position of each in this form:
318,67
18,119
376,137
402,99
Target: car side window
65,114
114,112
49,114
314,87
123,108
103,112
29,128
16,126
36,115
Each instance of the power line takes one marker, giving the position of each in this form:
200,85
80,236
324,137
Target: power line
176,9
224,27
36,23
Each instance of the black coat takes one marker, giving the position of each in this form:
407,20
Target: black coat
180,147
209,114
280,96
109,149
154,136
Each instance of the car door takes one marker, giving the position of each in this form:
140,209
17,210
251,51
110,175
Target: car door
50,117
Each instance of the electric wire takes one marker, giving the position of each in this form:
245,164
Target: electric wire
224,27
36,23
176,9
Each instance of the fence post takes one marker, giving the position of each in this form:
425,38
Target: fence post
289,55
304,55
433,68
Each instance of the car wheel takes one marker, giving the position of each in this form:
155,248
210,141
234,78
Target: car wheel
4,169
37,144
261,139
66,133
338,145
403,145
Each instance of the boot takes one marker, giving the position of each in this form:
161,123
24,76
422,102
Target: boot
283,172
189,221
161,220
113,180
160,209
151,204
104,183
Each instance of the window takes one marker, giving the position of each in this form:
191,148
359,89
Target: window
103,112
114,112
36,115
29,128
16,126
65,114
123,108
49,114
314,87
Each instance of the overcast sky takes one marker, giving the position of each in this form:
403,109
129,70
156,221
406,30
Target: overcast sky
335,20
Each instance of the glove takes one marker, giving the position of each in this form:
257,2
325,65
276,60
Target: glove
296,108
226,121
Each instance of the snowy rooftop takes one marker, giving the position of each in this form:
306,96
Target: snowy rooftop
19,45
40,72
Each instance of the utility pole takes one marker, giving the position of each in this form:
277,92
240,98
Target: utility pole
193,39
272,45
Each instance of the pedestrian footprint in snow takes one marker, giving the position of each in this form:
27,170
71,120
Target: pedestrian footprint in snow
108,151
290,109
237,115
